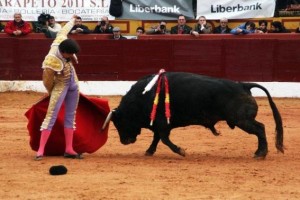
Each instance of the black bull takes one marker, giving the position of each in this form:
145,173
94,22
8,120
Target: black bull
194,100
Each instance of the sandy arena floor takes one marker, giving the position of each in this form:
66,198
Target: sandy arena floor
215,167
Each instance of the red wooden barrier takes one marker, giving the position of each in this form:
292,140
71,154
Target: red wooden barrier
268,57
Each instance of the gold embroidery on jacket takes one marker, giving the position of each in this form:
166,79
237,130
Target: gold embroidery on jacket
52,62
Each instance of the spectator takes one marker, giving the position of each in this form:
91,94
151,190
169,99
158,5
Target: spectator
104,27
277,27
117,34
139,31
79,27
61,82
41,25
1,27
181,27
223,27
18,26
263,26
298,29
246,28
53,26
201,27
161,28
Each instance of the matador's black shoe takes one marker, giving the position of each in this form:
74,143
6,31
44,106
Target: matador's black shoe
37,158
73,156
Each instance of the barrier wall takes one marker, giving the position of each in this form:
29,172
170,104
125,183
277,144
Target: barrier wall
259,58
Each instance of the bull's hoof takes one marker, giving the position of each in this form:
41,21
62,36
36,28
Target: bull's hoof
259,157
260,154
280,148
149,153
181,152
216,133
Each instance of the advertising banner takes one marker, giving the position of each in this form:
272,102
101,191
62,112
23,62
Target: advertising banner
235,9
62,10
157,9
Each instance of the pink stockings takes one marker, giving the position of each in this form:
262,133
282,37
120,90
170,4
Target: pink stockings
69,132
43,140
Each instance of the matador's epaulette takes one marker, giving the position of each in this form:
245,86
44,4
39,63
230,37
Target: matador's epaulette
52,62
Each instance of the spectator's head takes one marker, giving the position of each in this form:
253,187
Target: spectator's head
17,17
51,20
68,47
117,32
104,21
181,20
162,25
277,27
202,20
78,21
263,24
140,31
250,26
223,22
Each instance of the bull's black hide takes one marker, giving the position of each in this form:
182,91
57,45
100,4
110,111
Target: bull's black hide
194,100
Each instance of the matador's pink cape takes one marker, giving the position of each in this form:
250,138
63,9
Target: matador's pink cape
88,137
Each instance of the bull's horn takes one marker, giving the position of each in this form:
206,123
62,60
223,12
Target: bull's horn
107,120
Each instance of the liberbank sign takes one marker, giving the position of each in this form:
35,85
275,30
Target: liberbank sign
211,9
236,9
92,10
153,9
157,9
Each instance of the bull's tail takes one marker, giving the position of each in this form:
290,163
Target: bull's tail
276,115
